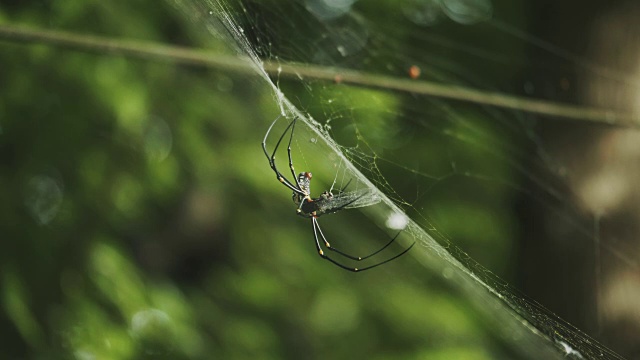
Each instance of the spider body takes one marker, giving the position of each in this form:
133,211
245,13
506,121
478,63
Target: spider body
315,207
307,206
326,203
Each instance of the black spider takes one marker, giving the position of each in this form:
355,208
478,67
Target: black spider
326,203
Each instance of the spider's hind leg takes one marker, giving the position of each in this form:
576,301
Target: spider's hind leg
316,230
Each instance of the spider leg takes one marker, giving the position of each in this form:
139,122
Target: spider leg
322,254
272,161
316,230
293,128
299,209
356,258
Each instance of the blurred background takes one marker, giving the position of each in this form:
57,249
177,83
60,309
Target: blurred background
140,218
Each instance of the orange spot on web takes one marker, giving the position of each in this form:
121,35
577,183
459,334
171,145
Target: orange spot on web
414,72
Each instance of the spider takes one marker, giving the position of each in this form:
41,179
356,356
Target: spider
326,203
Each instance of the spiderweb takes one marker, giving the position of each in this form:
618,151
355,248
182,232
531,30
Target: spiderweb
428,157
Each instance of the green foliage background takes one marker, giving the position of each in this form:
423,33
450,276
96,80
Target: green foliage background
197,254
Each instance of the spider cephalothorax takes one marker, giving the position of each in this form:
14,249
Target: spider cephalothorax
326,203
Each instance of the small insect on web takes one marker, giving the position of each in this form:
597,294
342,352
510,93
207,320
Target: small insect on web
326,203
